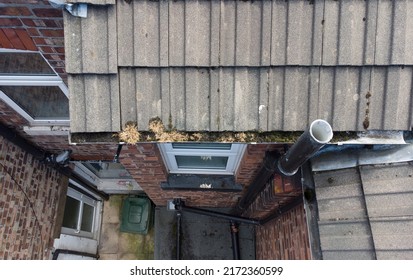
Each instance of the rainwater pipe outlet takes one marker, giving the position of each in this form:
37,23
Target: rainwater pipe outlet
310,142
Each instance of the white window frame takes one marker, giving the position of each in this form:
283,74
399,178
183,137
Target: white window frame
109,186
84,199
234,157
33,80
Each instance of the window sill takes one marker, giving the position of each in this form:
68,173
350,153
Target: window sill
201,182
47,130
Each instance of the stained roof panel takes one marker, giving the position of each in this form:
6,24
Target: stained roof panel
384,228
268,65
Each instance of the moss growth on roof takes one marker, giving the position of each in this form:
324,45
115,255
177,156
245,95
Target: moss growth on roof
130,134
159,133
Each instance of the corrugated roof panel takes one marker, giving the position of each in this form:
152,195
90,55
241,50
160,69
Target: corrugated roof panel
141,97
394,33
245,101
389,199
139,32
343,225
90,43
270,98
263,33
249,36
390,98
176,33
88,95
296,93
197,101
197,33
228,33
342,94
94,2
125,33
239,33
397,199
77,104
345,30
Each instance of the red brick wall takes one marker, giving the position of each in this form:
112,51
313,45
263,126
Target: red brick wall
144,162
24,19
284,238
279,192
25,182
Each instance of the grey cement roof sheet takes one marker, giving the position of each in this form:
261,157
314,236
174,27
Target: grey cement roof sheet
94,2
87,114
250,65
267,99
258,33
385,196
90,43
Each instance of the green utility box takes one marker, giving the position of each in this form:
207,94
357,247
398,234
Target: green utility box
136,215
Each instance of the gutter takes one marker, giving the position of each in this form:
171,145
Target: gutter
37,153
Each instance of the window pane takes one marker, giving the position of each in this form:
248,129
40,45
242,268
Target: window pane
72,210
207,146
24,63
87,218
107,170
201,162
40,102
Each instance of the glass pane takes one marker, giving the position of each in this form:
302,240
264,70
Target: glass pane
87,218
107,170
72,210
24,63
202,162
207,146
40,102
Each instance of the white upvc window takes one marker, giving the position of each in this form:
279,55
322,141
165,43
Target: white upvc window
30,86
81,216
109,177
202,158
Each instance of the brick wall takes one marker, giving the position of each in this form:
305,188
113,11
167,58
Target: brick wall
284,238
144,162
278,192
34,25
30,194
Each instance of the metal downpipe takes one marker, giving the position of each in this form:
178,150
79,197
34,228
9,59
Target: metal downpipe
235,240
311,141
178,235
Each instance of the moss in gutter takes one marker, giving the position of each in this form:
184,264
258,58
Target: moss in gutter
158,133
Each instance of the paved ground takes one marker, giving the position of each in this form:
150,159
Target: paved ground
116,245
203,237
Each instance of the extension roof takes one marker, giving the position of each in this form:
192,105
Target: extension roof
241,65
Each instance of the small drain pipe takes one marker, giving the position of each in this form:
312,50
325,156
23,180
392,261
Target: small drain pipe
311,141
235,240
178,235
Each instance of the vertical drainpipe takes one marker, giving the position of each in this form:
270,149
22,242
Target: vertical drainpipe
311,141
235,240
178,234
